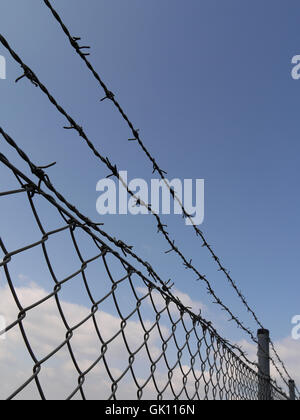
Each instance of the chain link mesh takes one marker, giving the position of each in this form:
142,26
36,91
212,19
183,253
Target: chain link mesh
30,75
83,322
131,339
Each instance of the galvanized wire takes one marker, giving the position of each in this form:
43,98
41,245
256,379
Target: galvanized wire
80,50
126,249
28,73
161,227
156,168
183,357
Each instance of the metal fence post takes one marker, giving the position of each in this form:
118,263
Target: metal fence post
264,386
292,387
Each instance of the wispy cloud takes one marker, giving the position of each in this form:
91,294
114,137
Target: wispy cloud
59,377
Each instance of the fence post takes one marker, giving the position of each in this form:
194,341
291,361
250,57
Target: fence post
292,387
264,386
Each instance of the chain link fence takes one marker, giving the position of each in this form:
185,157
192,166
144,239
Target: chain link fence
79,321
132,339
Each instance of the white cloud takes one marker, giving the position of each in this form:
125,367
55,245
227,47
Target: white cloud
59,377
288,350
23,278
46,331
184,298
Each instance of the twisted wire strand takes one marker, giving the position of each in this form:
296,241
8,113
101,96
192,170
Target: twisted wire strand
29,185
112,97
227,377
137,137
30,75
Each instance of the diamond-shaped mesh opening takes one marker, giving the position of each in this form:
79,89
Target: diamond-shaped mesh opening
83,323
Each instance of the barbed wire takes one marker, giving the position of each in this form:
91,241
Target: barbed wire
156,168
42,176
137,137
215,370
126,249
29,74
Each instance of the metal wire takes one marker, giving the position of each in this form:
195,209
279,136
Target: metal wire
187,359
161,228
112,97
165,288
114,172
126,249
137,137
156,168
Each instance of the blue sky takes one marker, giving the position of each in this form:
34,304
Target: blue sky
209,85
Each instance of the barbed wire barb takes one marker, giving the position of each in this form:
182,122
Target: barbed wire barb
162,174
212,358
114,171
